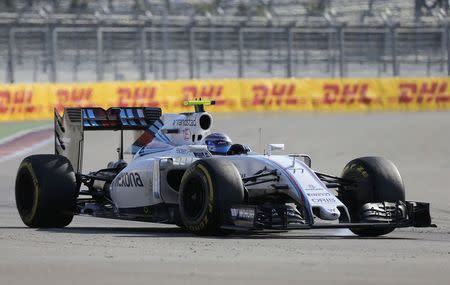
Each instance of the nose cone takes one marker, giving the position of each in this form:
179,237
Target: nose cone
329,214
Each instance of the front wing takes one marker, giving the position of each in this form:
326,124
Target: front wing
372,215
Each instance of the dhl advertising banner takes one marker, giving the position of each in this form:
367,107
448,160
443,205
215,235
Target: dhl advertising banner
37,101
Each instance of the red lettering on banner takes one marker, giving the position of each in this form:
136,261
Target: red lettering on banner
278,94
5,99
427,92
73,97
348,94
137,97
16,102
209,92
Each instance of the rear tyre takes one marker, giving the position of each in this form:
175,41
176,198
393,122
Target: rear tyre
377,180
208,189
46,191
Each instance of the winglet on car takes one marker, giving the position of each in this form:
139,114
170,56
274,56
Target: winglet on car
199,104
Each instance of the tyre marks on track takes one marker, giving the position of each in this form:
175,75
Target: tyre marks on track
24,143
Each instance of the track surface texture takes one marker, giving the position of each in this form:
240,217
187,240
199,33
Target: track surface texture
102,251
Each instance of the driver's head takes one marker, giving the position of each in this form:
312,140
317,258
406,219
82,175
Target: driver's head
218,143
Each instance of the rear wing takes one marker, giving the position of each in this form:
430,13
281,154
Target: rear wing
70,127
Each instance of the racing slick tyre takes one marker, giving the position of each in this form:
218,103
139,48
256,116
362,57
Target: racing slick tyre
46,191
377,180
208,189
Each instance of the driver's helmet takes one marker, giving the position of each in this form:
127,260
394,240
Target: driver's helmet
218,143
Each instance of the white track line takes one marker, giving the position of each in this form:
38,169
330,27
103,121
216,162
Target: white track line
25,150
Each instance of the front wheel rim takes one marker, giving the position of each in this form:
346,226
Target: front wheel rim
194,199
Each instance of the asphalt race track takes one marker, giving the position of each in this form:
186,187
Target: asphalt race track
98,251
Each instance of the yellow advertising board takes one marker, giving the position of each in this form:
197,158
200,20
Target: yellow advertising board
37,101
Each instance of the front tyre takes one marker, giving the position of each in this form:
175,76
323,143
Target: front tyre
46,191
377,180
208,189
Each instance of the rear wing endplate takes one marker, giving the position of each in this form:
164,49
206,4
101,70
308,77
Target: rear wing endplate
70,127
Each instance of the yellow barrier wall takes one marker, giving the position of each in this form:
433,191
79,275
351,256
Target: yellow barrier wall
36,101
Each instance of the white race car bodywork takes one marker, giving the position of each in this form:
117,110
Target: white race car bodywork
140,183
178,143
303,184
276,191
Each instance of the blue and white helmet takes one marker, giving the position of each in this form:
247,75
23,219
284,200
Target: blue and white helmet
218,143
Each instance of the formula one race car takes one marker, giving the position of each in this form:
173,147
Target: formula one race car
173,178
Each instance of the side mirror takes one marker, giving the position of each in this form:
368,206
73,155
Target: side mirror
275,146
165,162
304,157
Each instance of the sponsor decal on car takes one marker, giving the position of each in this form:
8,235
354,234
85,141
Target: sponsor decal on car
312,187
202,154
186,134
319,194
323,200
182,151
125,179
243,213
243,216
184,123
